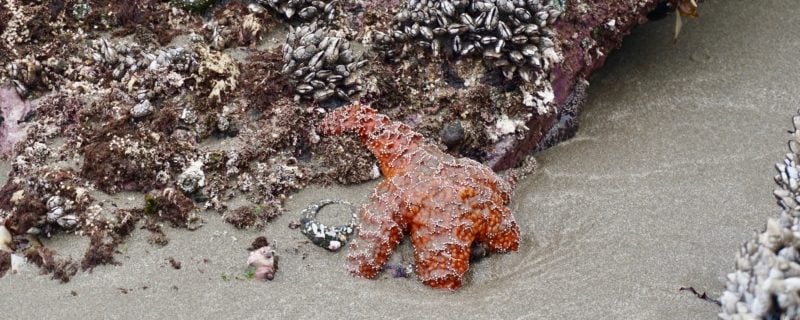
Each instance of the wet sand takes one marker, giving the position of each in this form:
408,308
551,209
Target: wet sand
670,172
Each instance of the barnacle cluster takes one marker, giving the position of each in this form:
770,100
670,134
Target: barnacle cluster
306,10
320,63
512,35
45,204
15,28
132,161
51,45
237,25
766,283
118,109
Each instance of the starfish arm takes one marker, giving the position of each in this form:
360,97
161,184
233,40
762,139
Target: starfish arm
441,252
503,233
378,233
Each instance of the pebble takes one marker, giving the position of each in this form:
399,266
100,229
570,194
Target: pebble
143,109
452,134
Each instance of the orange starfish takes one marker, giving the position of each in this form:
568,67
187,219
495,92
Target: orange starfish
445,204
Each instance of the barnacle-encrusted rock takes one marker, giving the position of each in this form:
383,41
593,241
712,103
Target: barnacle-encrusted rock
130,162
16,29
172,206
193,178
320,63
306,10
512,35
45,202
446,204
142,109
766,283
231,25
122,53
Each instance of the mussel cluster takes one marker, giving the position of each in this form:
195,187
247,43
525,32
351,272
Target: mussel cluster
512,35
306,10
99,59
29,72
124,57
320,63
57,206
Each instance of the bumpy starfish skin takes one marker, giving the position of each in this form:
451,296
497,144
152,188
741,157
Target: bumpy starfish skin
445,204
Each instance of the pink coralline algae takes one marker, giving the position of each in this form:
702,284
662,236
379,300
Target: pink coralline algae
445,204
265,262
13,128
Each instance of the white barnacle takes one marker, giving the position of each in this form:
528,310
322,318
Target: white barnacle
192,178
504,126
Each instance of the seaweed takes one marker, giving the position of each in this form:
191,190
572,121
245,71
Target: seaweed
171,206
100,251
248,216
59,269
157,235
702,296
175,264
258,243
28,208
5,262
262,82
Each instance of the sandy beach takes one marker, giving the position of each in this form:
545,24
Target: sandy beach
670,172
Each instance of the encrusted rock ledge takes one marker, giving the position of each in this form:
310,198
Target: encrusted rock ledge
588,31
216,103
